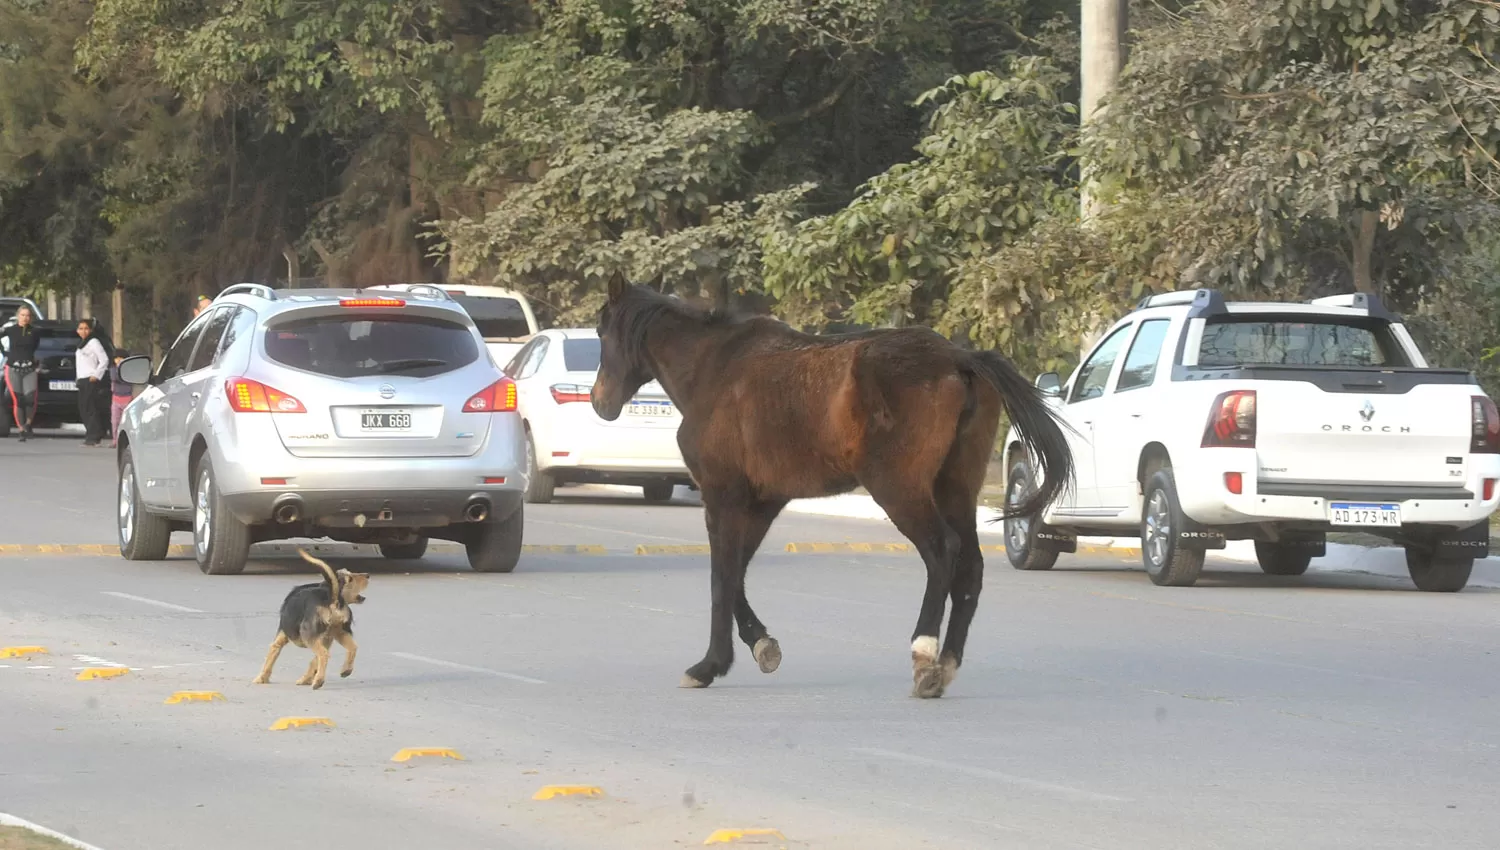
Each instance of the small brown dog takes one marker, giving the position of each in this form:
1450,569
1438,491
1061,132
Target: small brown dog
314,616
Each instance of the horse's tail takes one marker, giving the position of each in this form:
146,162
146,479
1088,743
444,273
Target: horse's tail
328,573
1040,429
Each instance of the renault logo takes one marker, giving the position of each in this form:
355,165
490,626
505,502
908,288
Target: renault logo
388,391
1367,412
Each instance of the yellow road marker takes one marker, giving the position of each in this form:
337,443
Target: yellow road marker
21,651
863,548
102,673
194,696
654,549
729,836
551,549
296,722
409,753
547,792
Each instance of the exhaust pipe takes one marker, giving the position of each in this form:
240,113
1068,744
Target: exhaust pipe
478,510
288,512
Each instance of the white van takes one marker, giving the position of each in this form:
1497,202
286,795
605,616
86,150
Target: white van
504,316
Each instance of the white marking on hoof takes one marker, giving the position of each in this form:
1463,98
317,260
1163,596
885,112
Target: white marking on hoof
927,682
950,670
767,654
925,649
690,682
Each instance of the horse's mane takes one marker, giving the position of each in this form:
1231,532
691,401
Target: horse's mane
634,315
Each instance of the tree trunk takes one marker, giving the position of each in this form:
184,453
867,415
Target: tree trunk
157,295
1102,28
1366,222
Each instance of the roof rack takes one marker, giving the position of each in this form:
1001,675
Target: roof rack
430,289
260,289
1367,301
1205,302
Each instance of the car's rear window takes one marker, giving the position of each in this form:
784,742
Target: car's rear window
581,355
358,345
1295,341
496,318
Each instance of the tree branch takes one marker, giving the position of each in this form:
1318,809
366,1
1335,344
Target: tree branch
818,107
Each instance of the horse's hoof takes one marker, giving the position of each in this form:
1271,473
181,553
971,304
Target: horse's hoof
767,654
690,682
345,674
259,680
950,670
928,682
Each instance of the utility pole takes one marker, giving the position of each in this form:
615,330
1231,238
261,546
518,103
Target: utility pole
1104,23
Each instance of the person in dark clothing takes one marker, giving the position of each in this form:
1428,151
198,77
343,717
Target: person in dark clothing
20,342
92,363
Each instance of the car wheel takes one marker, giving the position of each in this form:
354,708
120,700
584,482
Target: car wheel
495,547
1167,562
405,551
1020,536
1279,560
659,491
221,542
1436,574
144,536
541,486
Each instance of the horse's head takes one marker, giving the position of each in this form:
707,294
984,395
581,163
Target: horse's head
623,362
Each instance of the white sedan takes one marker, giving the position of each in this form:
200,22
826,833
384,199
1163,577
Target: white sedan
568,443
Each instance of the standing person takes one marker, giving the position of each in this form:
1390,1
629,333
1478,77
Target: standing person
120,395
93,368
20,342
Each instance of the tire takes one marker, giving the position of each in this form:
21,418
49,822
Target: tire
143,536
1278,560
541,485
658,491
496,546
405,551
1167,563
1020,539
1433,574
221,543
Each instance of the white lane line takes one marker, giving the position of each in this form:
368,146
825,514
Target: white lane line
12,820
170,606
455,666
986,773
1308,667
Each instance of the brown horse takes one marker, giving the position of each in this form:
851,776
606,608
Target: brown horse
770,415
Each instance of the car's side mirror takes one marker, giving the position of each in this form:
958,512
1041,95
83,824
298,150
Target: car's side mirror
1049,383
136,370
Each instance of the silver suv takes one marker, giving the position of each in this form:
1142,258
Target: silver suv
323,413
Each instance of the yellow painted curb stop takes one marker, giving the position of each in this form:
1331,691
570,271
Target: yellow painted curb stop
550,549
194,696
729,836
21,651
653,549
547,792
102,673
296,722
408,753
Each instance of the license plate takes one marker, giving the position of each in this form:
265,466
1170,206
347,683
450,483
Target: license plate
385,420
1361,513
649,408
62,385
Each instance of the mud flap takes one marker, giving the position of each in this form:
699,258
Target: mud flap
1195,536
1049,539
1312,544
1471,542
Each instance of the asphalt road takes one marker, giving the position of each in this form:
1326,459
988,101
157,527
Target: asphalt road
1094,710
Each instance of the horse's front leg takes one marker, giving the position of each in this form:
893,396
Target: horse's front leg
726,535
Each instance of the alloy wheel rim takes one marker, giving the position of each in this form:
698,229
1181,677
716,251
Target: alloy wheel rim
127,504
1018,528
203,514
1158,527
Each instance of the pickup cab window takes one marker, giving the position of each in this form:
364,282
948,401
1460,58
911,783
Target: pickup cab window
1093,376
1145,350
1295,341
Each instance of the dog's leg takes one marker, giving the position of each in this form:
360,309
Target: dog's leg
320,658
271,656
312,669
346,640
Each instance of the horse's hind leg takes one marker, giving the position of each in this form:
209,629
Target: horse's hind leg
958,510
916,515
753,632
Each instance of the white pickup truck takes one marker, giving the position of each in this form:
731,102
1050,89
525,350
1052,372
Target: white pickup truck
1195,421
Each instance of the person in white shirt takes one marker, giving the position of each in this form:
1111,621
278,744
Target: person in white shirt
92,364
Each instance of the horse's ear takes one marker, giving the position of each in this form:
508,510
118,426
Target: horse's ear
617,286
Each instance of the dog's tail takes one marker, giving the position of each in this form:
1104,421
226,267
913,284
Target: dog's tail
328,573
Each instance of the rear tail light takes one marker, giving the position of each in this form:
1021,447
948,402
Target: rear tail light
1489,489
565,393
499,397
1486,426
247,396
1234,482
1231,421
371,302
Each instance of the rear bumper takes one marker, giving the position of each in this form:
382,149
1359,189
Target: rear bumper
1206,499
362,509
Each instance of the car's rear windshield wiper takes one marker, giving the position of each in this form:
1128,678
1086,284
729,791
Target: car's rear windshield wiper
409,363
